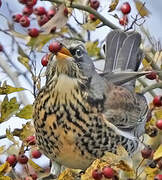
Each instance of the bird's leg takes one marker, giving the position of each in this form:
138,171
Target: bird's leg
54,173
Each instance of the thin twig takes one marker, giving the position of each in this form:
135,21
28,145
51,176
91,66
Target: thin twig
89,10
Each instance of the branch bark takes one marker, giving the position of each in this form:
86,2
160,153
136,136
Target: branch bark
153,86
14,77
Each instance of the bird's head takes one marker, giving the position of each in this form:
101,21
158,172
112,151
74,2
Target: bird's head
72,60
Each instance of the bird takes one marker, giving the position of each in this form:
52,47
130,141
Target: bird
81,114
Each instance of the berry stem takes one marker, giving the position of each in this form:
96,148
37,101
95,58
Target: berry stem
137,175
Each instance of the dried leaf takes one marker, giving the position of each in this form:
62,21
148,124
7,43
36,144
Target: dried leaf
7,89
142,10
58,21
66,175
113,5
92,48
158,153
150,172
4,168
35,166
91,26
26,112
25,61
8,108
10,136
97,164
2,149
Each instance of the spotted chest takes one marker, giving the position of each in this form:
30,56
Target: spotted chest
69,130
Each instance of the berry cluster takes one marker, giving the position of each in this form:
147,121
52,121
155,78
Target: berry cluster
42,16
53,47
107,172
125,9
95,5
23,159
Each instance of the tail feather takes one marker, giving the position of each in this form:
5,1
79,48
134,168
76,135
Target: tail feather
127,57
122,51
114,42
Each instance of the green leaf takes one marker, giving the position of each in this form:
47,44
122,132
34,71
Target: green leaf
7,89
38,43
8,108
92,48
26,112
10,136
25,61
21,52
91,26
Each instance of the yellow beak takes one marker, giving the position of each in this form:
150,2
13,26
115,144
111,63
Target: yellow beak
64,53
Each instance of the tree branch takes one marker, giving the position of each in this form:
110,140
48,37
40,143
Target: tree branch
89,10
14,77
144,84
153,86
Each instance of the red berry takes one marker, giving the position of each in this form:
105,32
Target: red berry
1,48
55,47
36,154
44,60
94,4
27,11
34,176
158,177
22,159
51,13
31,140
40,10
17,17
12,160
96,174
31,2
24,21
157,101
66,11
124,20
33,32
92,17
152,75
108,172
159,124
125,8
22,1
42,19
146,152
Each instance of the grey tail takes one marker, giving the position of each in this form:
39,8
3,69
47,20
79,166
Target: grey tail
122,51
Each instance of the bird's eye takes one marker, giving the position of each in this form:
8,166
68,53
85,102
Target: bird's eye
78,53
